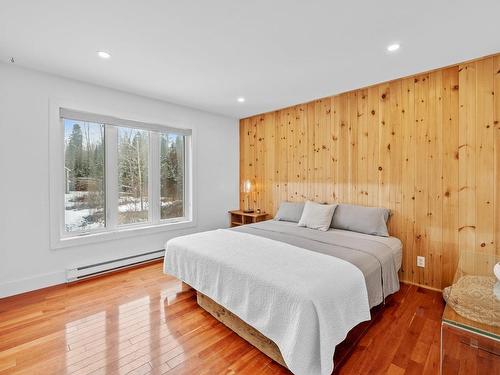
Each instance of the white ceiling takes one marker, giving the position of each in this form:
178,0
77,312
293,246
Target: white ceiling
205,54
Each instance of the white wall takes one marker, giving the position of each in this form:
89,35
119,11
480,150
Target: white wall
26,260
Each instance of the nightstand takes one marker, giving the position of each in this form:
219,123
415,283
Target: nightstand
238,217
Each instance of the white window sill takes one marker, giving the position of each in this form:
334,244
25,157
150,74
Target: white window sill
124,232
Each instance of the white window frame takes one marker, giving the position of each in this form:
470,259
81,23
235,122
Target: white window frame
59,238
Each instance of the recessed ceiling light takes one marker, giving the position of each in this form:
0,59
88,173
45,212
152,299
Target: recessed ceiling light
241,99
393,47
103,54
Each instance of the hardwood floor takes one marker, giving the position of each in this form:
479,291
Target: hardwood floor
139,322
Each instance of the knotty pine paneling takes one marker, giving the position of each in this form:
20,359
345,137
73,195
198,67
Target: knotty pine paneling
426,146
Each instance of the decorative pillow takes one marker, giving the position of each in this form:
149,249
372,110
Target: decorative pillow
368,220
317,216
290,211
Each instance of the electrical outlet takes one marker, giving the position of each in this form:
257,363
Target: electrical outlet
420,261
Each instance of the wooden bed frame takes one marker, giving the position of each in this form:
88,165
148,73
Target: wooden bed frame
266,345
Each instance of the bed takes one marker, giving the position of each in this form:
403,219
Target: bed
293,292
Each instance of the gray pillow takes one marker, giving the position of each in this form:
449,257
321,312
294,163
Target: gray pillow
369,220
290,211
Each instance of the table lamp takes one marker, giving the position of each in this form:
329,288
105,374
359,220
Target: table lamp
247,189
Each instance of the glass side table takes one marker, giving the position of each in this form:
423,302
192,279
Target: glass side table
470,326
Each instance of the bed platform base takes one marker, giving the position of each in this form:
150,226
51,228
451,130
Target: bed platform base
242,329
266,345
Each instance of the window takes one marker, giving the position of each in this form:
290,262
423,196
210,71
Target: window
84,176
133,155
171,175
120,175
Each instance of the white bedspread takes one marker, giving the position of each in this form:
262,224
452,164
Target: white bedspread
306,302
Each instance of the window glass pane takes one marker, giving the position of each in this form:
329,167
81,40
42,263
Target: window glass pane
84,198
133,199
171,176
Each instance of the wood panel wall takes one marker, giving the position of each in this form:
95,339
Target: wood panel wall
426,146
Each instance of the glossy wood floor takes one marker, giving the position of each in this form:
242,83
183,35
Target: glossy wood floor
138,322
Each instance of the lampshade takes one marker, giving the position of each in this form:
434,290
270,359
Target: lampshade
247,186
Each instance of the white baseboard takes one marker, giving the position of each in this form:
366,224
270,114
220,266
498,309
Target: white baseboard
29,284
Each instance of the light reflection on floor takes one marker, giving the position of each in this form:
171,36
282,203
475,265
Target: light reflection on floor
132,337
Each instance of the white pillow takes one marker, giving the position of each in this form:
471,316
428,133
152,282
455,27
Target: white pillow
317,216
